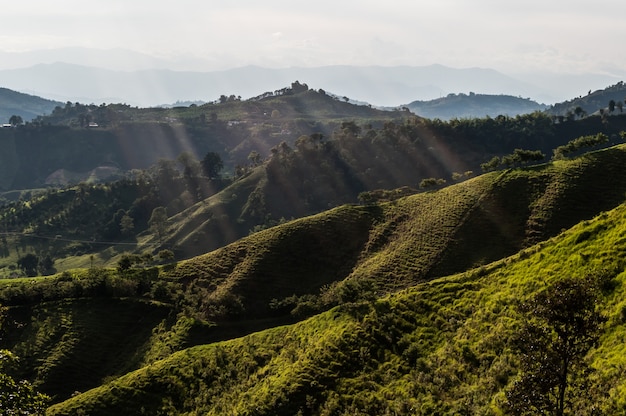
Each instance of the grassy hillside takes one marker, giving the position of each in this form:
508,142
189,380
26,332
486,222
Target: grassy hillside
286,273
440,347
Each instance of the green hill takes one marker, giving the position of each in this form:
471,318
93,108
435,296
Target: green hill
440,347
351,254
474,106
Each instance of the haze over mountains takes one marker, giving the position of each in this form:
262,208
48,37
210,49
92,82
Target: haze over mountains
96,76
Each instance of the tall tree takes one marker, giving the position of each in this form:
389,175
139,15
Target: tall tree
158,221
15,120
562,326
212,165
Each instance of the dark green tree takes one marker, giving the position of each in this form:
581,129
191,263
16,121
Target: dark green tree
255,158
28,263
17,397
15,120
561,326
127,224
212,165
158,221
611,106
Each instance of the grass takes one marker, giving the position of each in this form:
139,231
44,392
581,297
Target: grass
440,346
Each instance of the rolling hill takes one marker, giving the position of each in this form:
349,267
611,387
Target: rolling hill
421,349
474,106
347,256
377,85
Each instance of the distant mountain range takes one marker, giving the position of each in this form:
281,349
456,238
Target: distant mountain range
377,85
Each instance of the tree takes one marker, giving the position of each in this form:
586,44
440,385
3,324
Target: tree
212,164
432,182
125,263
126,224
15,120
611,106
580,113
17,397
255,158
562,326
46,265
165,256
28,263
158,221
191,166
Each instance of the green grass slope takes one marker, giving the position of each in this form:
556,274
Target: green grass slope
344,255
440,347
75,345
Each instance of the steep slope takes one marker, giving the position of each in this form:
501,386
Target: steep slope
305,266
436,233
442,346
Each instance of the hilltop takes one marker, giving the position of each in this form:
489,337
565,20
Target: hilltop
303,267
377,85
474,106
124,138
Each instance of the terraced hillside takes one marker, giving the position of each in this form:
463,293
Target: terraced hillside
442,346
351,254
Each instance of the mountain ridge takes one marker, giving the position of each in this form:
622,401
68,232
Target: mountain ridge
378,85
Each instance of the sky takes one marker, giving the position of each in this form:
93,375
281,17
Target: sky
511,36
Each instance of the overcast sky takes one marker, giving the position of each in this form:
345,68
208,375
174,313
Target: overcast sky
572,36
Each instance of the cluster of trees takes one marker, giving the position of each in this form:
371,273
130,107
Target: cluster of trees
33,265
579,143
17,397
16,120
517,158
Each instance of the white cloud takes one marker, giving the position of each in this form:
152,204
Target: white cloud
577,35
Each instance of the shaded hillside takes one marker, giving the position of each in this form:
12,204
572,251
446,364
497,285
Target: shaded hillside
474,106
318,174
26,106
440,347
425,235
311,175
306,266
79,138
